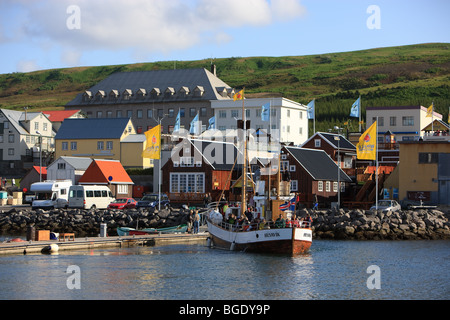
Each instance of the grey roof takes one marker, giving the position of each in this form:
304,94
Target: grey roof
92,128
155,81
330,137
134,138
318,164
77,163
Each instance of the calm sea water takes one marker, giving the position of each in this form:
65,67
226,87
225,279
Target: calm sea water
332,270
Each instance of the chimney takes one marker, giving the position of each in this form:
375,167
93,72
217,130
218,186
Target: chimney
213,69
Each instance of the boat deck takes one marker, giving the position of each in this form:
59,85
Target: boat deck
101,242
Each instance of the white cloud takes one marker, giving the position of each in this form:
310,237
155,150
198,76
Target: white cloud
27,66
152,26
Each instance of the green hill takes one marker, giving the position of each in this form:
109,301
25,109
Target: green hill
404,75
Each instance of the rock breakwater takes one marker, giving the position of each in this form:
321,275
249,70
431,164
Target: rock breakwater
87,222
378,225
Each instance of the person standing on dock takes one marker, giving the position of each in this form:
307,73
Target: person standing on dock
196,221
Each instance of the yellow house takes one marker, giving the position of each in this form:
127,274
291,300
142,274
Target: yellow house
102,138
424,171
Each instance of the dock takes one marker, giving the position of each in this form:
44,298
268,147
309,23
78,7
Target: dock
85,243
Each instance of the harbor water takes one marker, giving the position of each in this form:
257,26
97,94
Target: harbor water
332,270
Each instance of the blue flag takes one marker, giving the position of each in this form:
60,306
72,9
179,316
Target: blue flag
212,123
177,123
354,112
310,110
195,124
265,112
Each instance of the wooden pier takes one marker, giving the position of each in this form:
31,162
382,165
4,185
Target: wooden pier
84,243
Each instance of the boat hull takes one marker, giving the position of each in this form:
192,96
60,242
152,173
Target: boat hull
125,231
290,241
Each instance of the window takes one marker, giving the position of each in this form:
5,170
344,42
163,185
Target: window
73,146
192,112
61,166
122,188
129,113
109,114
139,114
186,161
149,113
247,113
273,112
258,113
300,114
100,145
335,186
328,186
10,151
65,146
36,126
109,145
139,129
288,113
222,114
11,138
119,114
203,112
171,113
44,126
187,182
234,113
320,186
428,157
381,121
292,168
317,143
294,185
408,121
99,114
182,112
393,121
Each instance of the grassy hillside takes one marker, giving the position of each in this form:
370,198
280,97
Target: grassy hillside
406,75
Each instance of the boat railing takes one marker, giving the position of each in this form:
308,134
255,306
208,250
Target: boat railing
263,225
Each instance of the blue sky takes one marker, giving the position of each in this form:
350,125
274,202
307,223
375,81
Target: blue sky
47,34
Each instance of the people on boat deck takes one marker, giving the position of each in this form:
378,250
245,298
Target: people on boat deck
196,221
279,223
191,220
288,223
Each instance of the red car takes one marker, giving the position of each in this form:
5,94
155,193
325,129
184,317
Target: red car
122,204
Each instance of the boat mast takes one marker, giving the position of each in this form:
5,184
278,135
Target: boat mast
244,167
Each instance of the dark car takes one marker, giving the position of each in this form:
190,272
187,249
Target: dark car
151,201
122,204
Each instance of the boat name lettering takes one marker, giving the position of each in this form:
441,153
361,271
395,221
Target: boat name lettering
271,234
307,235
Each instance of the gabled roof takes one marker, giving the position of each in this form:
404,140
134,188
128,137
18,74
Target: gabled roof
78,163
15,117
318,164
104,172
44,169
437,125
95,128
159,80
330,138
59,115
220,155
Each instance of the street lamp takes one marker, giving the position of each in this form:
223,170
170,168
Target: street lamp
40,156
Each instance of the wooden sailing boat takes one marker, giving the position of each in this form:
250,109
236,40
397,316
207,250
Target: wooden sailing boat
288,238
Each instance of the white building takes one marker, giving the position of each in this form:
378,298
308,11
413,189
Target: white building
405,122
287,118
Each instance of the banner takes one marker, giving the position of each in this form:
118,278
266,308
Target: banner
367,146
153,146
310,110
265,112
355,110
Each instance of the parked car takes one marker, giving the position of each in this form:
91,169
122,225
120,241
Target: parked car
122,204
387,205
152,201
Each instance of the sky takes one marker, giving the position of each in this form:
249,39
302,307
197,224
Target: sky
47,34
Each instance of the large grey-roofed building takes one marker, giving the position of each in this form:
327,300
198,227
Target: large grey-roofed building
147,96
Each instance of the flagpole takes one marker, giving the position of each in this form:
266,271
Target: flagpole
432,116
376,173
359,107
314,117
244,168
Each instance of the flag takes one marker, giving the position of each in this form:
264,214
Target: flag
212,123
239,95
354,112
177,123
310,110
288,205
153,144
265,112
367,145
195,124
430,111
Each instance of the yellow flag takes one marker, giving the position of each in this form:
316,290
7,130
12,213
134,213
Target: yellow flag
430,111
153,146
239,95
367,146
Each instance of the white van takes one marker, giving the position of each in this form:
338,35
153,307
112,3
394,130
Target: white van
90,197
50,194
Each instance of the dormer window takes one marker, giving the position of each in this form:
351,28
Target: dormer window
99,95
169,92
113,95
231,92
199,91
184,91
140,94
87,96
155,93
127,94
